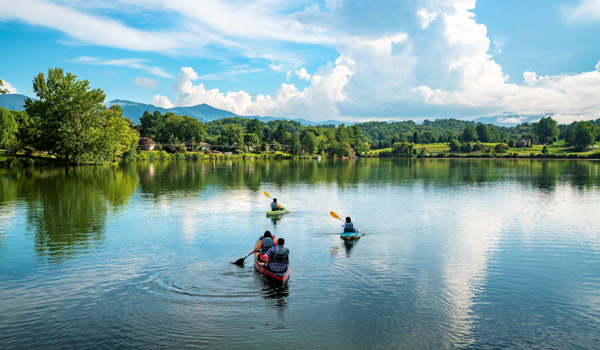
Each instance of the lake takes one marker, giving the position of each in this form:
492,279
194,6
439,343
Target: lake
456,253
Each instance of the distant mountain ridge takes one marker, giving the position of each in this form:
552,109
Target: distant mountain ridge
205,113
13,102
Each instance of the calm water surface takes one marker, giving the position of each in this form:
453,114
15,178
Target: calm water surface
456,254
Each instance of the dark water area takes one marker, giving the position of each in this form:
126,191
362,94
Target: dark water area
470,254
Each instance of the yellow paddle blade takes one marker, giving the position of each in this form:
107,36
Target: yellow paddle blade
266,194
334,215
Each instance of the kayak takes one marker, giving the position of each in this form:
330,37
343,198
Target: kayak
278,212
349,235
260,267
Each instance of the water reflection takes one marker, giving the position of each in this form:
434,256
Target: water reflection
275,292
67,206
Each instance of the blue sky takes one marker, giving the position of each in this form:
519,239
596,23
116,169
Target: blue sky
334,59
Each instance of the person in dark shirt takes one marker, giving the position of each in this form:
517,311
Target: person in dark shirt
277,257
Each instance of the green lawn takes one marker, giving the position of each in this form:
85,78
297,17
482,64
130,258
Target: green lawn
434,148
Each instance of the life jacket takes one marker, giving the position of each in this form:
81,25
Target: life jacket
281,254
274,206
267,242
349,227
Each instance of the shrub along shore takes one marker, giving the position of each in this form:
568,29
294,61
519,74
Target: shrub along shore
422,151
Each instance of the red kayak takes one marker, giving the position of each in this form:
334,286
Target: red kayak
260,267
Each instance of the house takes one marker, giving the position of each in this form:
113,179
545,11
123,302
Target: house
146,144
524,143
204,146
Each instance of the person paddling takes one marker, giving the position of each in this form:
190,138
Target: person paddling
277,257
349,226
275,206
265,242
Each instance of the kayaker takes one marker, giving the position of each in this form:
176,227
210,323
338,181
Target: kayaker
267,241
349,226
277,257
275,206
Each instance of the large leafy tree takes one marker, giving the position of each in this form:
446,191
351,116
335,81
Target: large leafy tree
73,122
8,128
470,134
483,133
232,134
546,130
581,135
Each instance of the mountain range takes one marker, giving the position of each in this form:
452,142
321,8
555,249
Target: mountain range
135,110
205,113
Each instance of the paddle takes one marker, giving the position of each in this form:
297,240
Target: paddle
240,261
337,217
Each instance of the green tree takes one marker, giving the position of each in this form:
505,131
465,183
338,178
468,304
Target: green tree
251,139
296,147
232,134
501,147
415,138
545,150
582,135
254,126
546,130
309,143
470,134
8,129
483,133
454,145
74,124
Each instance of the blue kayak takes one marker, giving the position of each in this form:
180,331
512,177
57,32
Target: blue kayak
350,235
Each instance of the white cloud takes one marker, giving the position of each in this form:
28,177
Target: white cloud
8,86
275,67
302,74
587,11
147,83
136,63
162,101
254,29
316,102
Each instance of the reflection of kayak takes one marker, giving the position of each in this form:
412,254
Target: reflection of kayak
260,267
349,235
278,212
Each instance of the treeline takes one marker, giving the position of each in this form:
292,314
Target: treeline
69,121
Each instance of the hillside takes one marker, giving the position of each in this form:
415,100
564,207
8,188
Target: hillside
13,102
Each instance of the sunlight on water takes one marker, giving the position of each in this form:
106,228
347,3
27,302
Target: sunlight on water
455,253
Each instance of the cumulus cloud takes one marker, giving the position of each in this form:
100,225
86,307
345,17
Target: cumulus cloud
162,101
302,74
8,86
136,63
147,83
316,102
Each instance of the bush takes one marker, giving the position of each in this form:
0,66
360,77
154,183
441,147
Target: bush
477,146
545,150
512,143
454,145
501,147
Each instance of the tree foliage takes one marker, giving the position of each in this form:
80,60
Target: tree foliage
74,122
546,130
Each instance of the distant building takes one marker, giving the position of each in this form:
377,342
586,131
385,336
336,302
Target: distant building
146,144
524,143
204,146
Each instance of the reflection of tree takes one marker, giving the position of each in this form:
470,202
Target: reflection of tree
162,177
67,206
